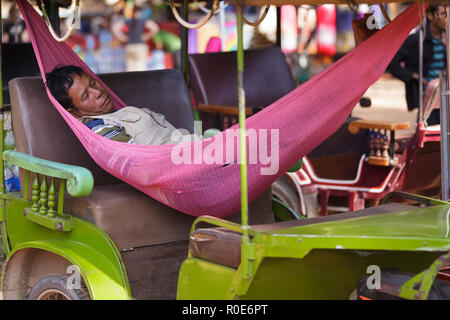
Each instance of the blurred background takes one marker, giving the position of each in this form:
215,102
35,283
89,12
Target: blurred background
312,37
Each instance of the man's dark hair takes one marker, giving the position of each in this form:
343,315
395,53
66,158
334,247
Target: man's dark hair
433,9
60,80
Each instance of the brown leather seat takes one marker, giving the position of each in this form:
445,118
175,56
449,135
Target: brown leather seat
222,246
130,217
267,77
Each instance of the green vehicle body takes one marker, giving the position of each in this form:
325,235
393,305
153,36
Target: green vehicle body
325,260
79,242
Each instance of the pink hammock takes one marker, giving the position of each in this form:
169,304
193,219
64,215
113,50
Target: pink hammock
304,118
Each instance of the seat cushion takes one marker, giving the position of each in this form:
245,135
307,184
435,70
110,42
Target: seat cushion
133,219
217,245
222,246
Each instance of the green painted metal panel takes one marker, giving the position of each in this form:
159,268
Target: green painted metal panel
328,274
324,260
79,180
203,280
321,274
59,222
102,277
86,244
431,224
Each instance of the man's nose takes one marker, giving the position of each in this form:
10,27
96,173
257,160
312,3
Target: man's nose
97,93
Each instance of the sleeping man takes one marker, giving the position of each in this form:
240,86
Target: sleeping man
86,99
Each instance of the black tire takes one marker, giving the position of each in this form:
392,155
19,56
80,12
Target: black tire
54,287
282,191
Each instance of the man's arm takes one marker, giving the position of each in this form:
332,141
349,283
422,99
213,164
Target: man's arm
395,67
112,132
152,30
116,30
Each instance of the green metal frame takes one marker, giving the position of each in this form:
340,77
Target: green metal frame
36,224
39,223
410,240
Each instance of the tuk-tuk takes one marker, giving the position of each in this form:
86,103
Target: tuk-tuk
276,261
76,232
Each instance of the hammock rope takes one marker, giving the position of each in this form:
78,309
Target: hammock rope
258,22
207,11
188,25
75,7
385,14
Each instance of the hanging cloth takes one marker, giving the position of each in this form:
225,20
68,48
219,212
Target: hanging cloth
291,127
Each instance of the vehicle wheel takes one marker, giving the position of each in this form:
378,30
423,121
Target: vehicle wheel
54,287
283,192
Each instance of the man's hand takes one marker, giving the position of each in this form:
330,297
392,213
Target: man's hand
416,76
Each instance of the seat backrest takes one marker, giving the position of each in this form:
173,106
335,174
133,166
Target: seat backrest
18,60
267,77
40,131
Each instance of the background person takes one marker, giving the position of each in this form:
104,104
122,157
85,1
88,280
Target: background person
14,28
139,32
405,64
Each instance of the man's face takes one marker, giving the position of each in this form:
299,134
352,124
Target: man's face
89,98
439,18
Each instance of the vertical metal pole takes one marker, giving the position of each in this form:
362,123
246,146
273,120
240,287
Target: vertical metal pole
242,130
5,247
447,34
444,137
184,64
185,53
222,24
421,30
242,145
2,169
445,85
278,41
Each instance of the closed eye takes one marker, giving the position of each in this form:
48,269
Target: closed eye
84,96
